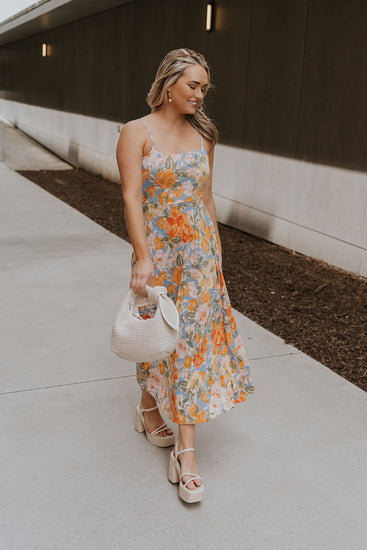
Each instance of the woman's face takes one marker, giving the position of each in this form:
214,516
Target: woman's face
189,90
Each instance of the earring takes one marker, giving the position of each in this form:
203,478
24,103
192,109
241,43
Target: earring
169,96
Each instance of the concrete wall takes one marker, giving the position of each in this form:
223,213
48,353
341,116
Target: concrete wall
83,141
289,102
289,75
314,209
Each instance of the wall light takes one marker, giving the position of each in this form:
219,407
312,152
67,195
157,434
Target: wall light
44,49
209,16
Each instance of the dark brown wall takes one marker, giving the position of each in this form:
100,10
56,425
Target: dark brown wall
333,113
290,77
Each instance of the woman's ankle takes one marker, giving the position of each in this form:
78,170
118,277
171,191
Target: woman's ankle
147,400
186,436
181,445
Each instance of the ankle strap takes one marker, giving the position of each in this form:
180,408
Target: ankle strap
184,451
147,410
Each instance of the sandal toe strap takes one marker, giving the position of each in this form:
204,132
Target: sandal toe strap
160,429
193,476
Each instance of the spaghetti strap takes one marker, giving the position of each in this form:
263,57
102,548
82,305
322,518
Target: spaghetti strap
150,133
201,142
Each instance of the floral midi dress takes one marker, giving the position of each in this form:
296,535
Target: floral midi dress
208,372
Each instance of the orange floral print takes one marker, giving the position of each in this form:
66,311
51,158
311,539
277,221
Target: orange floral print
208,373
165,178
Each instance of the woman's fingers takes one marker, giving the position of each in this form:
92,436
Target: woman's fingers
141,275
138,285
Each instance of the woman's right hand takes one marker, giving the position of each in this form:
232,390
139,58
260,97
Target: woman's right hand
141,274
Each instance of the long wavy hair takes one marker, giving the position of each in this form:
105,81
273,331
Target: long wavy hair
170,69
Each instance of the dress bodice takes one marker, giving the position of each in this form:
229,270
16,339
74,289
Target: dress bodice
171,178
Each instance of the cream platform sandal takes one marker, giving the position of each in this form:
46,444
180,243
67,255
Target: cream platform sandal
175,476
153,438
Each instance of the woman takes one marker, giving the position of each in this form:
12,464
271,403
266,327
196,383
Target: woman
165,161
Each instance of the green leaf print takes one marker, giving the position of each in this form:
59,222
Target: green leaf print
179,260
190,315
181,173
182,385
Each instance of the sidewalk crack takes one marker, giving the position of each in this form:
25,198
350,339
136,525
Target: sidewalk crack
68,384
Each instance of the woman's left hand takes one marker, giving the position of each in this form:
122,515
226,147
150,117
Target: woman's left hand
141,274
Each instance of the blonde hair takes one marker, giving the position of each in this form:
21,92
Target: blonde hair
170,69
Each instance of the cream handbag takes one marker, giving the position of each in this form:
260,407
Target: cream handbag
139,340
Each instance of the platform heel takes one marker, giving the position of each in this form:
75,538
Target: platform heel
175,475
139,426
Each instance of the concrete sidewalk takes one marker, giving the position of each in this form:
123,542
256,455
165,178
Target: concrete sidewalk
21,152
285,470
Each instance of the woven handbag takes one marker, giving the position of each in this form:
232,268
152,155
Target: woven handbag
136,339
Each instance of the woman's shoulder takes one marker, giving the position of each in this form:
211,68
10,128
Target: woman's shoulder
135,123
133,130
132,137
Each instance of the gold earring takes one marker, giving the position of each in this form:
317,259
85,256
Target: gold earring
169,96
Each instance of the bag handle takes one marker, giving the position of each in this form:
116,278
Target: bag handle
151,297
154,292
157,295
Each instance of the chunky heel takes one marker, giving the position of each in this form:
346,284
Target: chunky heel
172,472
175,475
139,426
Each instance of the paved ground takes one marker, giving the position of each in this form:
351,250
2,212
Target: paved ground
21,152
285,470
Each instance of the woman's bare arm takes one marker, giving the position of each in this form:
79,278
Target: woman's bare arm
209,200
129,159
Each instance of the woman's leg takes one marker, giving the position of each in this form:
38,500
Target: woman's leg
152,419
186,439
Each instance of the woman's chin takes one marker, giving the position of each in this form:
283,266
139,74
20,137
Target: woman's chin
191,109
